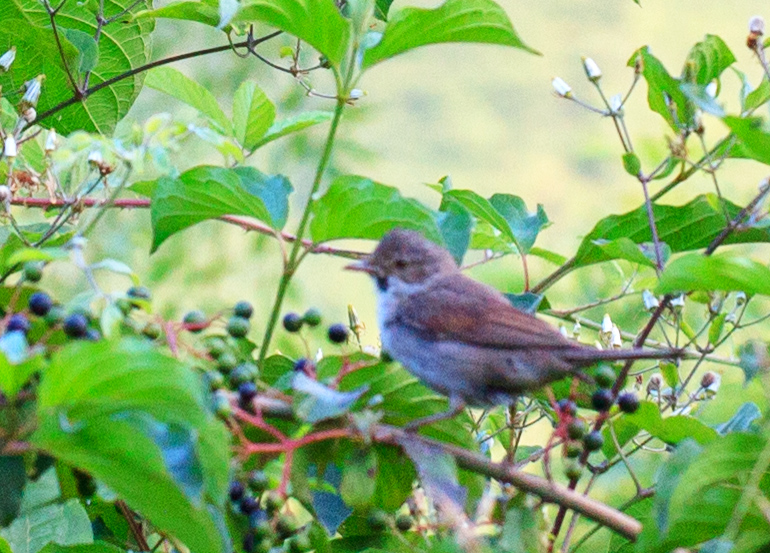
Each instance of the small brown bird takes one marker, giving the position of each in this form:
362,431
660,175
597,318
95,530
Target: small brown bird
463,338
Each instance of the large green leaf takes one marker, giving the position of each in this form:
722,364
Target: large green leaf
663,93
14,476
317,22
481,21
524,226
209,192
123,45
206,12
253,114
356,207
707,60
65,524
13,376
138,421
724,272
752,135
175,83
683,228
293,124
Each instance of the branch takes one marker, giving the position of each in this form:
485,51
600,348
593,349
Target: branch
738,219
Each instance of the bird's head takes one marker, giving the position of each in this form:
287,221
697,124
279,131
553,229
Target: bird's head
407,256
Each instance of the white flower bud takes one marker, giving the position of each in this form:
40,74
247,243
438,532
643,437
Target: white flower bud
607,324
677,302
562,89
616,103
740,298
32,89
615,340
29,115
356,94
7,59
651,303
5,194
592,69
711,89
95,158
563,331
757,25
10,149
576,330
50,141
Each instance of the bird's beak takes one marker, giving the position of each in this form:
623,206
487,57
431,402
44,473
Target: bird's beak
361,265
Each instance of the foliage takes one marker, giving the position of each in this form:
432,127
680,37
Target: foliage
125,429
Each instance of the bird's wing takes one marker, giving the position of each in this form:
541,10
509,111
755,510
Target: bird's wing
460,309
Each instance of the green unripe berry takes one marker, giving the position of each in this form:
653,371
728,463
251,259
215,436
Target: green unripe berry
300,543
139,293
576,429
273,502
593,441
243,309
573,450
605,376
195,321
312,317
33,271
152,331
238,327
227,361
404,522
216,347
258,481
55,315
222,405
244,372
573,470
214,380
377,520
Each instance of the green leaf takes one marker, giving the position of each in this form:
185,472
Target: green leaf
753,135
317,22
381,9
481,209
14,475
670,374
356,207
65,524
227,10
253,114
395,476
632,164
524,226
206,192
480,21
742,420
521,529
758,96
87,48
174,83
123,46
663,93
707,60
716,327
358,478
202,12
724,272
754,358
13,376
139,422
293,124
625,248
455,224
683,228
96,547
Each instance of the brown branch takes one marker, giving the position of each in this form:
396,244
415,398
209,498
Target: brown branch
738,219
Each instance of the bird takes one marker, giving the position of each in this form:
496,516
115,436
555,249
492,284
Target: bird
463,338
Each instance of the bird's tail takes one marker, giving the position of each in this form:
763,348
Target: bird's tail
588,356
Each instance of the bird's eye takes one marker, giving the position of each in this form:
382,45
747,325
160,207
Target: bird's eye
382,283
400,263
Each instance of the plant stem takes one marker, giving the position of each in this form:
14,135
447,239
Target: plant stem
292,263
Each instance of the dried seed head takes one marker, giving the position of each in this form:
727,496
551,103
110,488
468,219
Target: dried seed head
710,381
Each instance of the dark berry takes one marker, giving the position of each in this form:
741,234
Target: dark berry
227,361
246,392
593,441
573,450
33,271
292,322
628,402
248,505
573,470
602,399
259,523
236,490
312,317
243,309
404,522
605,377
576,429
238,327
19,323
195,321
338,333
258,481
40,303
75,325
302,365
55,316
377,520
567,407
139,293
93,335
249,543
152,331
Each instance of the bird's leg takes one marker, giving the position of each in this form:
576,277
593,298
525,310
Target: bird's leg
456,405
